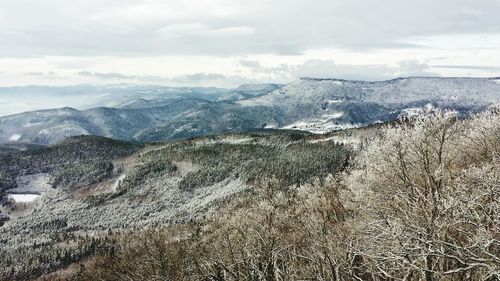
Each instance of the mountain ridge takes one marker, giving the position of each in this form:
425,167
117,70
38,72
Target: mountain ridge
312,104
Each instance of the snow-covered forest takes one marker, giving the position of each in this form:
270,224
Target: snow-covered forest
412,200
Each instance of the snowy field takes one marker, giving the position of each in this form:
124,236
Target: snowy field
29,188
23,198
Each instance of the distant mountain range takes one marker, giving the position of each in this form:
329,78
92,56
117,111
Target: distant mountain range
20,99
316,105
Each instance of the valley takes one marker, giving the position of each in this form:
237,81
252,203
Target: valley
316,105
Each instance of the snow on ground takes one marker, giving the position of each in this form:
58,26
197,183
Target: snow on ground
65,128
271,126
411,112
415,111
229,140
23,198
116,183
15,137
238,141
323,140
185,127
32,184
34,124
333,115
319,126
342,139
335,101
29,188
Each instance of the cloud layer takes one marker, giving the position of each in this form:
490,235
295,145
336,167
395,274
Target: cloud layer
186,41
224,27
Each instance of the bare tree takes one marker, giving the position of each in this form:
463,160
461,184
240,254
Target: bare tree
428,196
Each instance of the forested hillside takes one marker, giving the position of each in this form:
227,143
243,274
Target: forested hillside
94,202
420,202
73,152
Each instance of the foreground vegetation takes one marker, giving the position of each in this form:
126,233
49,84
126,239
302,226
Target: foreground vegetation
419,203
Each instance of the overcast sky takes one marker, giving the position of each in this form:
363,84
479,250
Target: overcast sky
229,42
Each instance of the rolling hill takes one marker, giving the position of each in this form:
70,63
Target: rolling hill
316,105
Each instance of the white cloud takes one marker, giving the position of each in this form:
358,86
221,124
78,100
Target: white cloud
232,31
284,38
111,27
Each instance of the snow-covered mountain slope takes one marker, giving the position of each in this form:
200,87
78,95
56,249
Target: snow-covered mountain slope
52,126
174,119
466,91
316,105
331,103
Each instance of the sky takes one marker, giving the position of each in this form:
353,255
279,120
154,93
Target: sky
230,42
